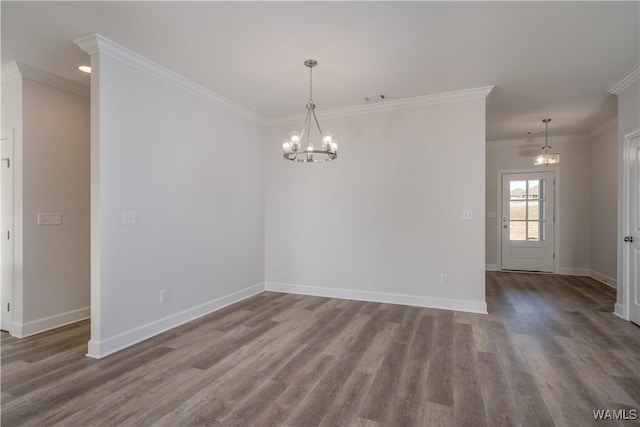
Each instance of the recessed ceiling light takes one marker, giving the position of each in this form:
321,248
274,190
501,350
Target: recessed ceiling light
85,69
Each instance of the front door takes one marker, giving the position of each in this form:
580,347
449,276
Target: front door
527,221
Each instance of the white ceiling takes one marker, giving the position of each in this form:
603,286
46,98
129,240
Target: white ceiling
553,59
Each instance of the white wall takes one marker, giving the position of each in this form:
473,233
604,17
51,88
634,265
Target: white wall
604,203
51,174
384,220
574,209
56,179
193,173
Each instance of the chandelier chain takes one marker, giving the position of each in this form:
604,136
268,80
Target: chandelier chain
310,82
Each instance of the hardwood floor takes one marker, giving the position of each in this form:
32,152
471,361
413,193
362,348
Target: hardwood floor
549,353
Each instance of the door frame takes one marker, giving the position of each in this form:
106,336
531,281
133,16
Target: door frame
556,213
621,308
8,260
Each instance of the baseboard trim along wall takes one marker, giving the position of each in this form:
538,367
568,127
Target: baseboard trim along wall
383,297
618,311
33,327
491,267
103,348
573,271
603,278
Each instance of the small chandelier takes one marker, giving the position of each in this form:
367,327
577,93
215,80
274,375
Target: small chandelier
293,147
547,158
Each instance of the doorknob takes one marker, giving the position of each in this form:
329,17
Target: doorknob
628,239
505,226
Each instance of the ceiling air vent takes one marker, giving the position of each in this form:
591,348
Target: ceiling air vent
372,99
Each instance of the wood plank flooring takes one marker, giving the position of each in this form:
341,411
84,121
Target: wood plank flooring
549,353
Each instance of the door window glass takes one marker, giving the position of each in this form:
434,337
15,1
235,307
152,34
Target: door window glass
526,209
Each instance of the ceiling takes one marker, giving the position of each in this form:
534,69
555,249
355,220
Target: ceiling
554,59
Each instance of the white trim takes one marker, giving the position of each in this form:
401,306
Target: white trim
613,121
400,104
384,297
33,327
10,71
536,141
491,267
103,348
618,311
603,278
36,75
568,271
95,43
625,81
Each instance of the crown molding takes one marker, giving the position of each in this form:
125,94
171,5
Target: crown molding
625,81
37,75
612,122
400,104
95,43
536,141
10,71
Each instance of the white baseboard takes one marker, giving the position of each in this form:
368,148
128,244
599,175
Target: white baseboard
105,347
491,267
618,311
388,298
574,271
607,280
33,327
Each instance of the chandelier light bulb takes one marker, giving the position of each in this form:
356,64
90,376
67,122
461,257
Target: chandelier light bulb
286,146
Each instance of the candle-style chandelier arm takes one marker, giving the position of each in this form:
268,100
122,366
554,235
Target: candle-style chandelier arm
313,111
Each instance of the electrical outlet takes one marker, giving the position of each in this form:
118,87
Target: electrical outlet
163,295
444,279
128,217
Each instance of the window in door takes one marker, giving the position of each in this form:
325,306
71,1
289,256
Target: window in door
526,210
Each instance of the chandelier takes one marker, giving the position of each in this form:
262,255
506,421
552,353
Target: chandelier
299,147
547,158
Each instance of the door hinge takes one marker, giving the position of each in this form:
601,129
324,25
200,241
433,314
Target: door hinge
8,234
8,306
554,255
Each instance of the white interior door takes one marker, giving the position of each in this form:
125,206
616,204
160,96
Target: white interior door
6,225
527,221
633,235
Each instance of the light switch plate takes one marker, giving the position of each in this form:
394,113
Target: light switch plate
467,215
128,217
491,214
49,218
